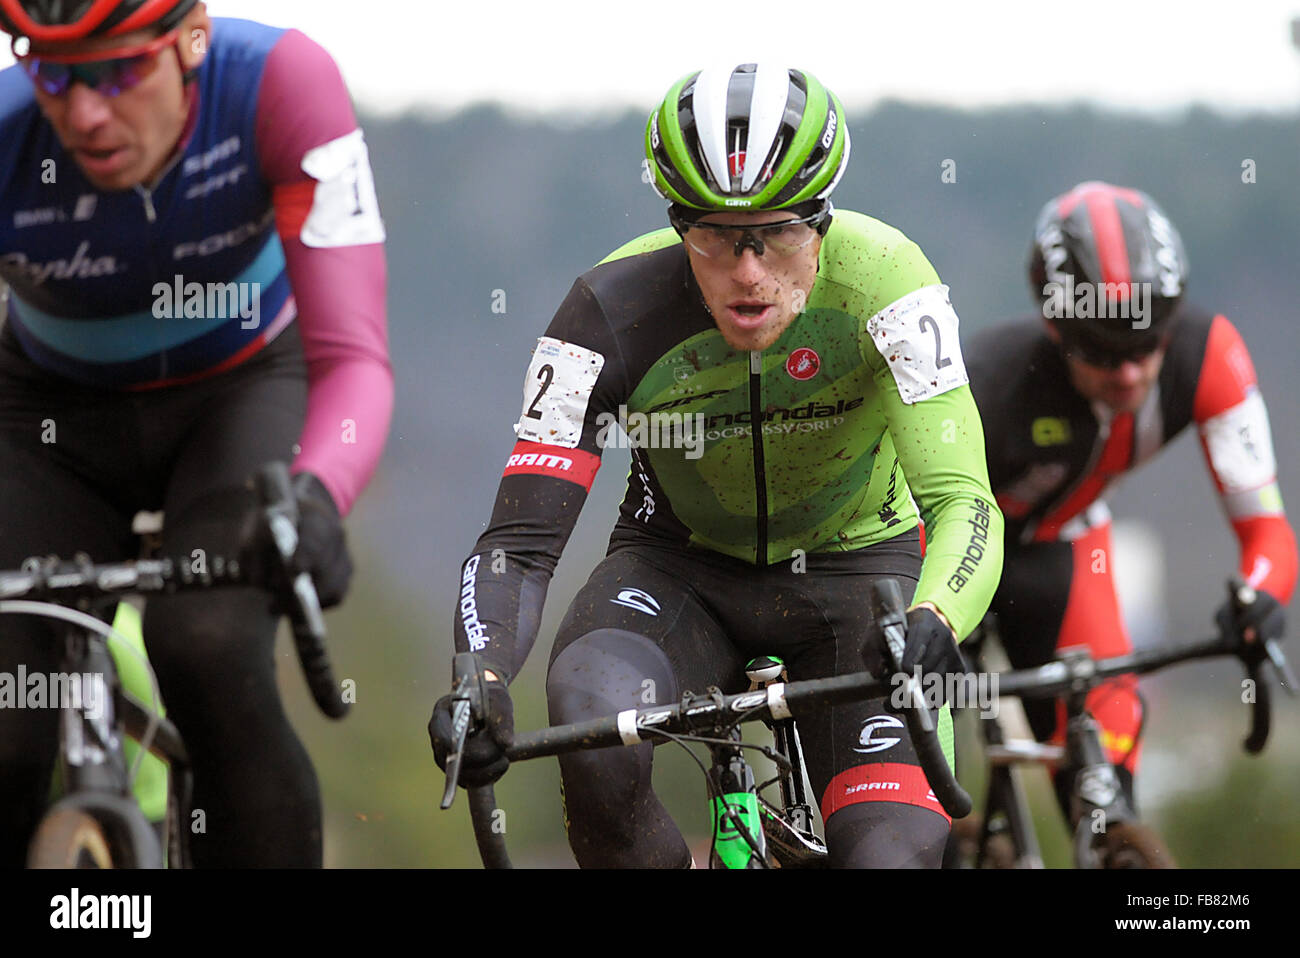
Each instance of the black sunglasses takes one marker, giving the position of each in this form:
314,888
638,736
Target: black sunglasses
1097,355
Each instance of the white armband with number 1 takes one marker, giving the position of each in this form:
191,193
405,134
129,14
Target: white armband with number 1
345,208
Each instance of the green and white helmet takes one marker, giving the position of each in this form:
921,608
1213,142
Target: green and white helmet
756,137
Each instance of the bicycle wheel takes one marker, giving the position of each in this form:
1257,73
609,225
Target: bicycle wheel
963,845
1133,845
69,838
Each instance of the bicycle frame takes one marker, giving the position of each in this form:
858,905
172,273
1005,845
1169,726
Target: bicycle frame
711,712
1096,794
785,835
1095,789
95,716
91,755
1005,806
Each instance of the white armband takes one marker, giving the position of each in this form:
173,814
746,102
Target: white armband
917,336
1241,446
557,390
344,208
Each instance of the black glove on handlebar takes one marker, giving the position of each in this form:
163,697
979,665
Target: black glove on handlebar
321,552
322,546
1265,615
931,645
484,758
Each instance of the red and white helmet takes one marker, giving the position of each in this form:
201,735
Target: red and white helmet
1115,246
66,21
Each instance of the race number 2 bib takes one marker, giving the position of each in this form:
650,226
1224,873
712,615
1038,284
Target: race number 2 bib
917,336
557,390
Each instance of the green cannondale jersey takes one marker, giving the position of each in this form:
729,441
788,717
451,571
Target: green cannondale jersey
856,423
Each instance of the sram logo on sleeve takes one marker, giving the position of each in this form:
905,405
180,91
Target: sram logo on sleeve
344,208
557,390
917,335
537,459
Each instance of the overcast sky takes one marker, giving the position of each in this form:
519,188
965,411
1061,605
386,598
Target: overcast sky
584,56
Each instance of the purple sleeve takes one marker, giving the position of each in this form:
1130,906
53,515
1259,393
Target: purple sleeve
339,281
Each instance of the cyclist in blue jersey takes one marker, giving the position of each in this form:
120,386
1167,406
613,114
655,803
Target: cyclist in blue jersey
193,250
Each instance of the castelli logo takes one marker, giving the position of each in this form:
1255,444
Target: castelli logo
804,363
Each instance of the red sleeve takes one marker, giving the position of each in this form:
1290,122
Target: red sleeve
1238,446
339,277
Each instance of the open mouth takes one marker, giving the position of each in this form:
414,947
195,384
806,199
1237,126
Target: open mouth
749,314
100,160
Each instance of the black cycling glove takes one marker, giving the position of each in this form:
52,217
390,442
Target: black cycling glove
931,645
483,760
322,548
1264,614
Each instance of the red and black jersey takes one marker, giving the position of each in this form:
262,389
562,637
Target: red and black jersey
1052,454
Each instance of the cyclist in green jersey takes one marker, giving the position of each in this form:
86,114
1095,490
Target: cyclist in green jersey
791,385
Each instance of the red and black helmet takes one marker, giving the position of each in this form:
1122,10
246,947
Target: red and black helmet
1107,267
66,21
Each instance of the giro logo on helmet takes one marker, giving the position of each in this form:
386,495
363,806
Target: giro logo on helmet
829,136
1051,244
1168,263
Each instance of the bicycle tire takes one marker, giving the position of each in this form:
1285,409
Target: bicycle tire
963,845
1133,845
70,838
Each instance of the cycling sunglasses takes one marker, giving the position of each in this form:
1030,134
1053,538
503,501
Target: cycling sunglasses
1096,355
109,76
784,238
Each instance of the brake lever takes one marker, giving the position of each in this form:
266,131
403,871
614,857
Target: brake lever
467,698
893,626
1243,595
280,510
1282,666
890,613
280,516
